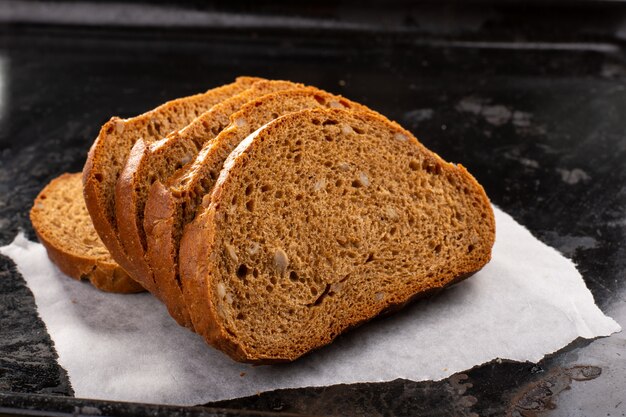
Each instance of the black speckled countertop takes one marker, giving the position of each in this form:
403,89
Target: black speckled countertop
532,105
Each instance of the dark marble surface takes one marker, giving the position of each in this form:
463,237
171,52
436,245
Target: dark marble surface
536,113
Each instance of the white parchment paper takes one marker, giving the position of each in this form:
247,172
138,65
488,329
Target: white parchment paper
527,302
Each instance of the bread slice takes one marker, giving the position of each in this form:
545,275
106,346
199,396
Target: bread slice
320,221
171,206
148,163
61,221
108,154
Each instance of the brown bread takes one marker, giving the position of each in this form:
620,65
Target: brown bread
320,221
63,225
108,154
147,164
173,205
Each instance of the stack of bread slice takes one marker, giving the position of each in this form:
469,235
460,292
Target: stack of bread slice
269,216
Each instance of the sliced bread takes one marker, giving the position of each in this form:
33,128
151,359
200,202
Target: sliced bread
172,205
108,154
62,223
320,221
147,164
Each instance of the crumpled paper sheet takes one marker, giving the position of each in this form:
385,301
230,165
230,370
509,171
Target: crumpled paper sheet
527,302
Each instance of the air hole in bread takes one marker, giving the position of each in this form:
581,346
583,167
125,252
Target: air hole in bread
265,188
358,130
242,271
414,165
250,205
293,275
329,122
322,295
321,100
98,177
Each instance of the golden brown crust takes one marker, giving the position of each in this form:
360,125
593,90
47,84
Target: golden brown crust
163,251
199,255
101,271
108,154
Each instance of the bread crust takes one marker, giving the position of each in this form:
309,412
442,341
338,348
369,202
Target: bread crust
105,275
198,249
109,152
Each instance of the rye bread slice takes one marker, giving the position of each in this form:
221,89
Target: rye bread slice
320,221
62,223
172,205
149,163
108,154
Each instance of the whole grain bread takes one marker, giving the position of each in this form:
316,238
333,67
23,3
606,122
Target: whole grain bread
172,205
157,161
62,223
108,154
320,221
